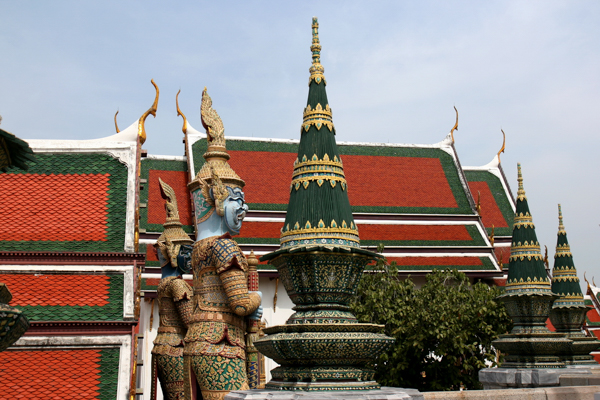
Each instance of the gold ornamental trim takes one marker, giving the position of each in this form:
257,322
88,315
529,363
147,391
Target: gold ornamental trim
308,230
523,221
320,179
318,116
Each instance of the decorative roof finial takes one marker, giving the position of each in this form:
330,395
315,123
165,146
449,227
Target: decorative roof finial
179,113
151,110
316,69
215,132
503,145
455,127
561,227
520,192
117,126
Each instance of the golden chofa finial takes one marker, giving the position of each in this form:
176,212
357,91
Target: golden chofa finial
503,145
520,192
561,227
151,110
179,113
316,69
586,281
116,126
455,127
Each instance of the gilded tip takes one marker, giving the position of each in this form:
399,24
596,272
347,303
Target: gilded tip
455,127
503,144
117,125
521,190
561,226
179,113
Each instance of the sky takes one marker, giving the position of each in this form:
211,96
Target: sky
394,69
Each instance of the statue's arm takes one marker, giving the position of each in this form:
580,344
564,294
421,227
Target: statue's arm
231,265
182,294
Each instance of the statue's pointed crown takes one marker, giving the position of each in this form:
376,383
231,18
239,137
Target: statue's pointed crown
173,233
216,155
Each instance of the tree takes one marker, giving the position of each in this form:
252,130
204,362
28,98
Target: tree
443,330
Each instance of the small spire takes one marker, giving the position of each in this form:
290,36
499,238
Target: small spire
561,227
520,191
316,70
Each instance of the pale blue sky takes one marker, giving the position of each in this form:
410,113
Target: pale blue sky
394,71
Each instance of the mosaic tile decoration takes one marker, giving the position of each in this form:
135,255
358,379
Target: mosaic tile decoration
83,374
63,297
81,199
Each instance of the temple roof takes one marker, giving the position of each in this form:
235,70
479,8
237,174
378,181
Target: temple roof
67,297
65,202
59,374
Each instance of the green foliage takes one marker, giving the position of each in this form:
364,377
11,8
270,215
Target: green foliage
443,330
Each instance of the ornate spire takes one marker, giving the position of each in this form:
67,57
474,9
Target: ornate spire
316,69
319,211
564,275
526,270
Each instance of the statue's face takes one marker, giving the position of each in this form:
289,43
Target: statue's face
235,210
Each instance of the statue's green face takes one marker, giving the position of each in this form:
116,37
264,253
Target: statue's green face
235,210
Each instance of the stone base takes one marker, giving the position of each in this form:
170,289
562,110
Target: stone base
507,378
385,393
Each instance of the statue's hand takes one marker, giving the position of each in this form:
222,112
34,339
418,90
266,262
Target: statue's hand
257,314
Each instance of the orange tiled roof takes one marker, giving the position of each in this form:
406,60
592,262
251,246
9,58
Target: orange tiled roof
57,290
53,374
436,260
424,182
40,207
256,229
490,212
178,181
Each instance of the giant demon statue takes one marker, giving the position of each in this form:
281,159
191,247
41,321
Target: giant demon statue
174,303
214,344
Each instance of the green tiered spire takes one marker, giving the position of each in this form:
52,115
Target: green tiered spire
526,271
564,275
319,211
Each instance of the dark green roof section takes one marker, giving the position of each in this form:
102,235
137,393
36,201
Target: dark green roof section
113,311
447,162
109,373
82,163
500,195
159,165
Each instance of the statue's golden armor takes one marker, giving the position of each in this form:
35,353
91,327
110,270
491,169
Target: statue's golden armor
214,344
174,310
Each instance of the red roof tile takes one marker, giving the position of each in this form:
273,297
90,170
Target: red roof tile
39,207
151,254
178,181
423,180
474,261
57,290
254,229
490,212
593,316
50,374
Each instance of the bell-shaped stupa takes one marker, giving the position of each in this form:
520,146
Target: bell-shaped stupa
322,346
528,299
568,312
